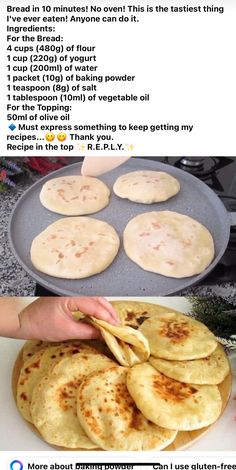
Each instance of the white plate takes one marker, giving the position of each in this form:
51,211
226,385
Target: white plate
16,435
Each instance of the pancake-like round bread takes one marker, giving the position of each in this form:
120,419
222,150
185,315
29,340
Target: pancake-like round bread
54,400
175,336
37,366
74,195
110,417
146,187
75,248
210,370
132,313
32,346
168,243
128,345
172,404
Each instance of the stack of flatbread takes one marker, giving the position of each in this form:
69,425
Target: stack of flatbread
155,375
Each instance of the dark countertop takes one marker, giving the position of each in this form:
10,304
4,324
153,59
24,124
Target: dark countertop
16,282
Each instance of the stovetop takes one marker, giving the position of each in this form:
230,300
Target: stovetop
219,173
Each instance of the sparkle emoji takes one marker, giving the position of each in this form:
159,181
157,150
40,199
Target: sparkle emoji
50,136
61,136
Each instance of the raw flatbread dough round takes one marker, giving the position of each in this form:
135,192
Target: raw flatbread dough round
54,400
74,195
146,187
172,404
210,370
168,243
110,417
75,248
175,336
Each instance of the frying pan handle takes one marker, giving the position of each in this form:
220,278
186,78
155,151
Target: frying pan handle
232,218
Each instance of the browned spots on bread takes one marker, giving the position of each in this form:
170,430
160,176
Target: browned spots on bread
135,318
144,234
156,225
176,331
23,396
63,397
159,245
144,316
130,316
63,394
186,243
71,243
122,395
170,389
94,425
53,237
73,384
35,365
136,418
75,351
61,194
78,254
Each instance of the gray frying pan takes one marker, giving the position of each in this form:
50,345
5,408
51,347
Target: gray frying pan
123,277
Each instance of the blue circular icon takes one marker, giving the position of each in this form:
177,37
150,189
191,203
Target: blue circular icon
16,465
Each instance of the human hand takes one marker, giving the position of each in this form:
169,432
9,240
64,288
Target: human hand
50,318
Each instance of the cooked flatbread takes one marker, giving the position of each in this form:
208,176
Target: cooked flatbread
37,366
128,345
32,346
172,404
175,336
74,195
54,400
146,186
99,345
75,248
168,243
210,370
110,417
132,313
